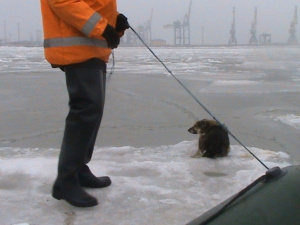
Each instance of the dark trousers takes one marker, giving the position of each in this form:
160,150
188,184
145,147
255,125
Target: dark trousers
86,88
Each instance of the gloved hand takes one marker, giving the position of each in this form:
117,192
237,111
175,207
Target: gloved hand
122,23
111,36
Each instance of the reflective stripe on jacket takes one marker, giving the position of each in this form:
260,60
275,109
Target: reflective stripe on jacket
73,29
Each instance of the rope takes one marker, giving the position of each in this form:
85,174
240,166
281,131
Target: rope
190,93
112,69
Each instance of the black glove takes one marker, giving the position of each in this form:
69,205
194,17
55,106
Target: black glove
111,36
122,23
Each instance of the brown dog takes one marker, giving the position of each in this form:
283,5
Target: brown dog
213,140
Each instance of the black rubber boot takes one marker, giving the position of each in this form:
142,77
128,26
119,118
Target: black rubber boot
85,87
71,160
88,179
70,190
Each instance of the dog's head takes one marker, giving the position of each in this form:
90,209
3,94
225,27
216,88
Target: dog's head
201,127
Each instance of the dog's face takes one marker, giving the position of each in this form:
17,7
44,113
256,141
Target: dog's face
201,126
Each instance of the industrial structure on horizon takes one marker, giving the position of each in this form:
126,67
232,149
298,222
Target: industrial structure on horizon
144,30
253,39
232,39
293,39
264,38
181,33
36,40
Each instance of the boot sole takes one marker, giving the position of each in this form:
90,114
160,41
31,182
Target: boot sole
92,203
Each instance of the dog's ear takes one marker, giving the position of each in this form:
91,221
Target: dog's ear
203,125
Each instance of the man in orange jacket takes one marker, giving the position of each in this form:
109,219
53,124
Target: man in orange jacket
78,38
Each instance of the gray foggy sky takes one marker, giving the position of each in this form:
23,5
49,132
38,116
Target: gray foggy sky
274,16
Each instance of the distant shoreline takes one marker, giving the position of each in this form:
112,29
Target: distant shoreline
40,44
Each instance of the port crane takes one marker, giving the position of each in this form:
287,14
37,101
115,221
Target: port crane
144,30
182,30
232,39
253,39
293,39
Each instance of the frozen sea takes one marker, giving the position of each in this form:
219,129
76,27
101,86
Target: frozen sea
151,185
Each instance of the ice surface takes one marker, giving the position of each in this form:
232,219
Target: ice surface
161,185
289,119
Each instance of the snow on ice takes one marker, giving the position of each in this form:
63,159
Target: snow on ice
161,185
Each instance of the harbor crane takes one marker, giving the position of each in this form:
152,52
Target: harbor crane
144,30
293,39
232,39
177,31
186,33
253,39
182,30
148,28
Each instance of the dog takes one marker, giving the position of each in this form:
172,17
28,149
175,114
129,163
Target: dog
213,140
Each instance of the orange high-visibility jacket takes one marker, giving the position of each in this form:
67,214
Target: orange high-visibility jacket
73,29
